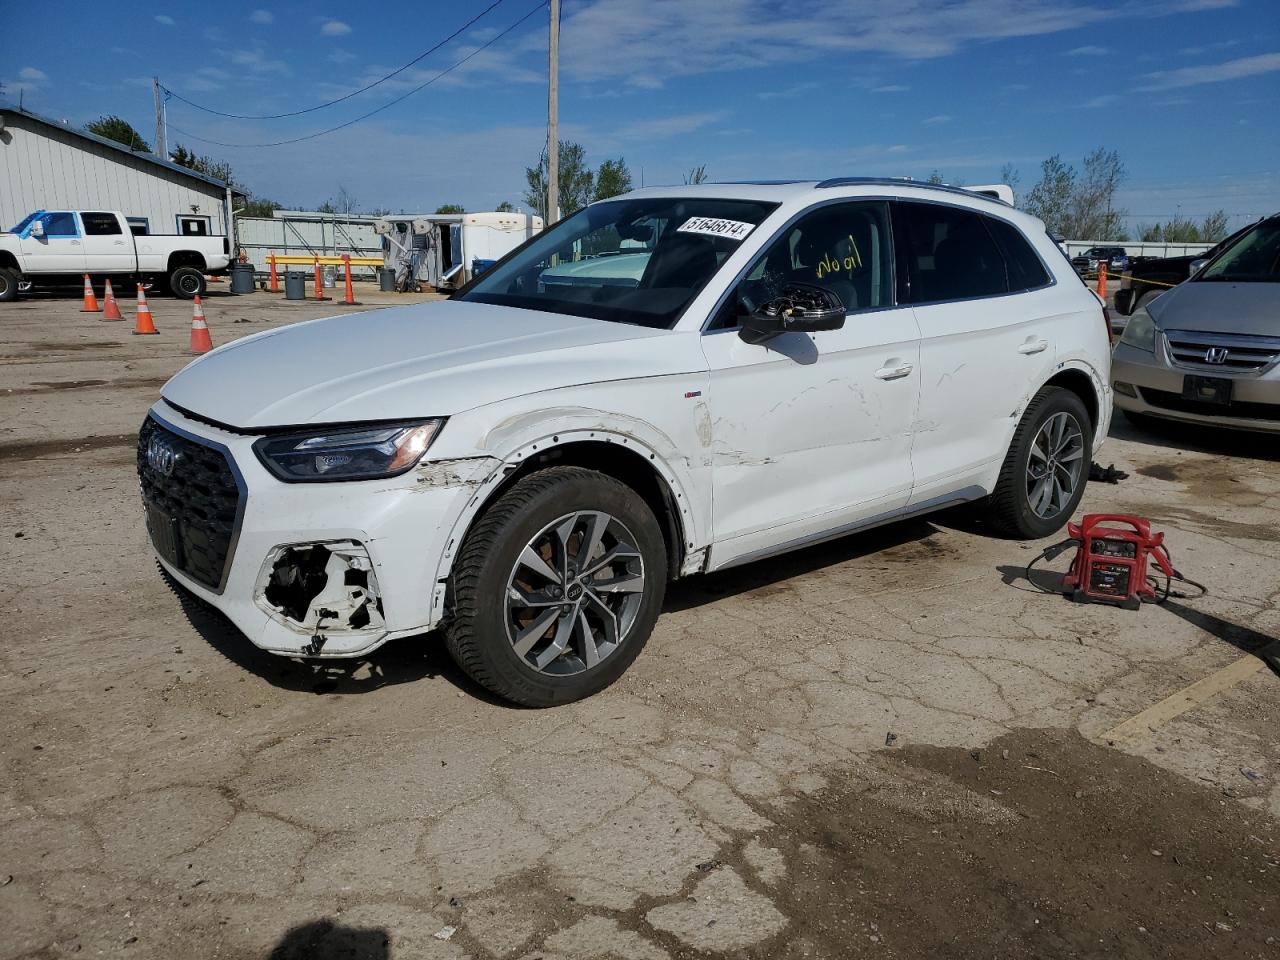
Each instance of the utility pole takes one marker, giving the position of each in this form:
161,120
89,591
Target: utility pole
553,119
161,149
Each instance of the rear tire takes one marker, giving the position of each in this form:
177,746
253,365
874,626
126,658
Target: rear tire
187,283
1046,469
539,612
8,285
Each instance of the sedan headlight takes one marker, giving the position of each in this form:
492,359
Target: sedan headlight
347,453
1140,331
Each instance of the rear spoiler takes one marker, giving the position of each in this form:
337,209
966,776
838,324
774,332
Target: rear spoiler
996,191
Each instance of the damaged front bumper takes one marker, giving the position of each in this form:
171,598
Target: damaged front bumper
330,569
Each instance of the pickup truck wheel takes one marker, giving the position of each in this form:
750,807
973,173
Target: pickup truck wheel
8,284
1046,469
557,587
187,283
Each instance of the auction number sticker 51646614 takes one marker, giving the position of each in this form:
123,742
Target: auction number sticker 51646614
715,227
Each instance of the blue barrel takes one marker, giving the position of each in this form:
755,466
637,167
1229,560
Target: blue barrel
479,266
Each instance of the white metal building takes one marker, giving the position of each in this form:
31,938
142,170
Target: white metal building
48,165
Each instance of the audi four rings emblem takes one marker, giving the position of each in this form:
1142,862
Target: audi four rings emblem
1215,355
161,457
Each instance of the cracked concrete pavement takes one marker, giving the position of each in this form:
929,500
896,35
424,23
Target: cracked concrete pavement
170,791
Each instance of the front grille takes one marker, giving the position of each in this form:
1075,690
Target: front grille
1235,352
1243,409
201,499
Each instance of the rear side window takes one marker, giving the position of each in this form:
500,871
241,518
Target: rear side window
1026,271
949,253
100,224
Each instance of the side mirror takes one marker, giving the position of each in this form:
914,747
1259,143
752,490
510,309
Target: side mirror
1198,265
800,308
37,229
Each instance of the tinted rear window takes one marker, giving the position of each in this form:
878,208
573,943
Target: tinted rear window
950,254
1026,272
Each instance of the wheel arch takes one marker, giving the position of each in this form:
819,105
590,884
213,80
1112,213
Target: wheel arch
185,258
8,261
1084,385
615,454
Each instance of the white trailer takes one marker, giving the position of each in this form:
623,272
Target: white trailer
444,250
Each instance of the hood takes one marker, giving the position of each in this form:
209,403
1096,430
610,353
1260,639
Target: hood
426,360
1211,306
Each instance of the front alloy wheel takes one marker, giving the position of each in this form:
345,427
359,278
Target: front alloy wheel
557,587
574,593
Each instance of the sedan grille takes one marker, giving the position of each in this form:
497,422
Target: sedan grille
1228,353
193,501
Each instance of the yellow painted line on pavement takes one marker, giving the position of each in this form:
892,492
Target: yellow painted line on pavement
1157,715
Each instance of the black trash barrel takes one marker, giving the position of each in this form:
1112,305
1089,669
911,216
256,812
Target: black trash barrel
386,280
295,285
242,278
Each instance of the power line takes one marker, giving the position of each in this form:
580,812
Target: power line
366,116
354,93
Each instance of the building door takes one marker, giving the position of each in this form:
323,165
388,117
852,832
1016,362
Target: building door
194,226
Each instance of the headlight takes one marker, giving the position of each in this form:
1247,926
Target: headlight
1140,331
347,453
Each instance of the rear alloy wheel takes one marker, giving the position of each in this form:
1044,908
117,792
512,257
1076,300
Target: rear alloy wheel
557,587
1045,471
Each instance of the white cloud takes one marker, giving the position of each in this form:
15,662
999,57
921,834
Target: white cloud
1088,50
334,28
792,91
660,128
262,16
1213,73
164,18
891,88
940,118
28,80
1103,100
341,56
255,61
32,75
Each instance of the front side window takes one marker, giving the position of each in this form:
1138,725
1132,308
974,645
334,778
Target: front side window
100,224
24,223
842,247
1254,258
627,261
60,224
949,254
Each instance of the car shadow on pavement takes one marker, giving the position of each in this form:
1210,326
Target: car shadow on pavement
326,940
1245,639
1198,439
404,660
698,591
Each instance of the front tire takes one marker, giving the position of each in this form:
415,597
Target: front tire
557,587
187,283
1045,471
8,285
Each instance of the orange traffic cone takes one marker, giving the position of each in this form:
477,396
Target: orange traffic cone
200,341
275,278
90,301
319,285
1102,279
350,298
145,324
110,309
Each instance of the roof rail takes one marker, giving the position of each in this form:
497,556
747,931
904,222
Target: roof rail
986,192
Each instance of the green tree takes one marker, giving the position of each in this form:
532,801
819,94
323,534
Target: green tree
1010,177
1093,212
1050,198
935,177
697,174
259,207
451,208
506,206
577,182
1214,227
218,169
121,131
613,178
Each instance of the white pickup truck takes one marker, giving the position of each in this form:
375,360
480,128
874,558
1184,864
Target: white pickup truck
52,248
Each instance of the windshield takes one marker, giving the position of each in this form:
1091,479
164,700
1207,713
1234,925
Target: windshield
628,261
1254,258
25,221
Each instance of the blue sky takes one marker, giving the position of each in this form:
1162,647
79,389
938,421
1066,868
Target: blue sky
1187,91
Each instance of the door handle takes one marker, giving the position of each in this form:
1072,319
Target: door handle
894,373
119,243
1034,346
75,243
